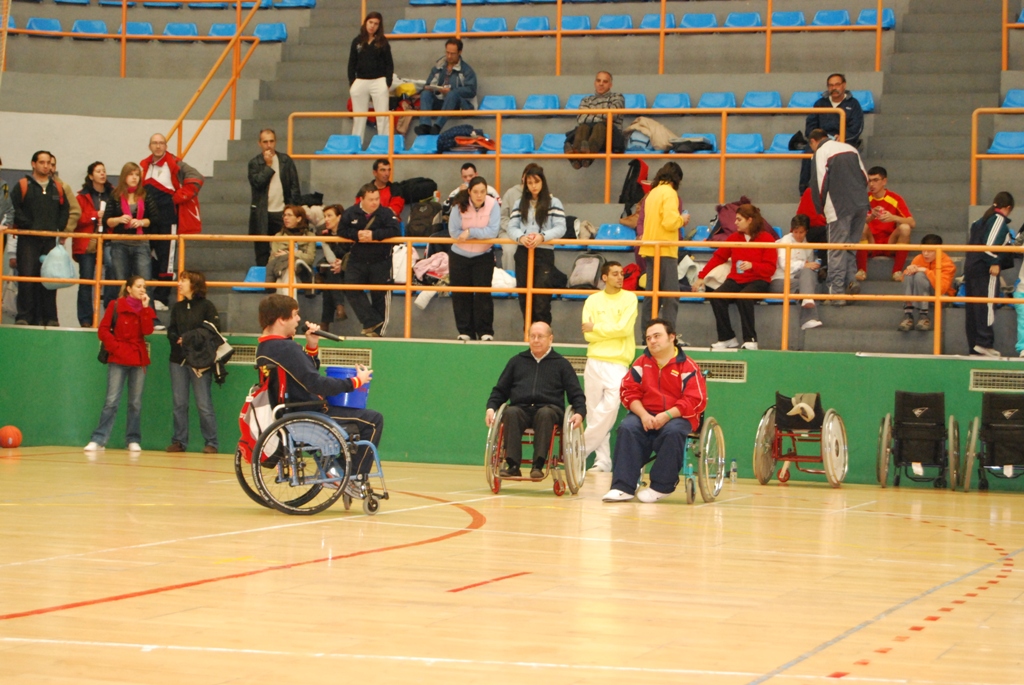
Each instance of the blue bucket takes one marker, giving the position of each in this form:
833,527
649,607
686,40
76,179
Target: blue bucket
352,400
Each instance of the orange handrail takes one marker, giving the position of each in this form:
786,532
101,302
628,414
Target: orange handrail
787,295
975,155
607,155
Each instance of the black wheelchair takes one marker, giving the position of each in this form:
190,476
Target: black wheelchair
706,446
567,464
996,440
923,445
779,425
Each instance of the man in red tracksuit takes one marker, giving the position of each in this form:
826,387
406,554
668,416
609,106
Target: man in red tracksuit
665,393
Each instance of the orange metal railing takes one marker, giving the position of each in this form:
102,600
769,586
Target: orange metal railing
661,32
499,115
978,156
787,296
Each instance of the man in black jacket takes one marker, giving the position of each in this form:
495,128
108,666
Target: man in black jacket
535,383
275,183
837,97
369,262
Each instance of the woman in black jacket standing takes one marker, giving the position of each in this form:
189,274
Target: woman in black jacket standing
187,315
370,69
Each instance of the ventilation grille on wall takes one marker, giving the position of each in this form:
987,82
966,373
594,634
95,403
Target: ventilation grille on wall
578,363
329,356
986,380
244,354
719,372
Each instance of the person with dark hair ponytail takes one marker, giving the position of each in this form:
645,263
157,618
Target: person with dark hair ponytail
981,274
538,219
475,217
370,70
93,199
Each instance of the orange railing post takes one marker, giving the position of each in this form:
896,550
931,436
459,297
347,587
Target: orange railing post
458,19
1006,35
878,39
786,291
124,38
768,40
558,37
528,311
661,39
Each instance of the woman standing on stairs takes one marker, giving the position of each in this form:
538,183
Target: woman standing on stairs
370,69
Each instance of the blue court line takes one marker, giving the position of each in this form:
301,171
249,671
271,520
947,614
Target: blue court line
871,621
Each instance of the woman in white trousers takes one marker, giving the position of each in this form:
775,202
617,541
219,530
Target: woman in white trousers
370,70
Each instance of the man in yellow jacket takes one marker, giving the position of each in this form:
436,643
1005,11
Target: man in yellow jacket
662,221
608,321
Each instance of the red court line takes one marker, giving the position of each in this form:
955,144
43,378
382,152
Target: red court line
492,580
477,521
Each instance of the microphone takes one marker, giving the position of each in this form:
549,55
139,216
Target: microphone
322,333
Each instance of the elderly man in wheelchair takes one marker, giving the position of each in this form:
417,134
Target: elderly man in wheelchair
535,384
665,393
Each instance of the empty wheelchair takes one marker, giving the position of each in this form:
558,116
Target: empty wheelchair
800,420
706,446
918,441
995,442
567,464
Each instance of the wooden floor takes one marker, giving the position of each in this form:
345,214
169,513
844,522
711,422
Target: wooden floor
159,570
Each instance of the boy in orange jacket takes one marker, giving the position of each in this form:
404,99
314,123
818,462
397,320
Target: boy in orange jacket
922,278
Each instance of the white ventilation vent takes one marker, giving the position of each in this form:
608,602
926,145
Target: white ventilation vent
244,354
724,372
578,363
987,380
329,356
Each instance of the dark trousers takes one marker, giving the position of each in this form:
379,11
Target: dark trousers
86,269
165,263
332,298
372,309
369,424
633,447
474,312
668,306
36,305
977,283
262,248
543,262
745,307
542,419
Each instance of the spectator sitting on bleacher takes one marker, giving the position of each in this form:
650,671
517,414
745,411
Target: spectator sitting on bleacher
274,182
889,222
382,182
837,97
294,223
592,129
925,277
452,82
803,271
468,172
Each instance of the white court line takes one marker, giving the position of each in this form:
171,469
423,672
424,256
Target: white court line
855,506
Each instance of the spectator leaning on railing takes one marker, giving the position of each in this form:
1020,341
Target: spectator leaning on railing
539,218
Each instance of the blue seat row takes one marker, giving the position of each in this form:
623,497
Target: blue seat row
264,4
1008,143
712,100
267,33
621,22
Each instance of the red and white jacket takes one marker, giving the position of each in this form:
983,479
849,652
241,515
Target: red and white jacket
186,181
679,384
735,247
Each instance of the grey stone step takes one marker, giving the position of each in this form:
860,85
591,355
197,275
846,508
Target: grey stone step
283,108
973,7
286,90
919,147
941,62
940,82
981,22
934,103
922,124
927,171
305,51
830,338
952,43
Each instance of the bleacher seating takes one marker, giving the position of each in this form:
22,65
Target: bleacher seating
804,98
163,5
410,26
710,137
671,101
181,30
225,30
1007,143
137,28
541,102
43,24
88,26
614,232
553,144
869,17
614,22
271,33
865,98
517,143
635,100
423,145
737,20
208,5
788,19
762,98
747,143
294,4
339,144
255,275
702,233
712,100
489,24
574,101
575,23
1014,98
831,18
698,21
653,21
493,102
379,145
780,144
72,2
447,25
532,24
114,3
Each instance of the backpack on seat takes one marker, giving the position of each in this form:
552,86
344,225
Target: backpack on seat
257,414
586,271
725,220
421,218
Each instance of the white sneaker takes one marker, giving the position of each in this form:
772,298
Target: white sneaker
807,304
159,306
486,338
463,338
650,495
986,351
159,327
424,298
604,468
725,344
134,447
749,346
94,447
813,323
614,495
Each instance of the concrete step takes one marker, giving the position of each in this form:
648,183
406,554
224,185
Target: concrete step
931,171
937,62
286,90
981,22
939,82
305,51
953,42
922,124
283,108
830,338
966,103
918,7
919,147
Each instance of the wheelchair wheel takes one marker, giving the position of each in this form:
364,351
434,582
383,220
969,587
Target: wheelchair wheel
952,452
764,447
884,448
370,505
494,452
243,472
691,491
574,458
972,454
711,463
834,453
310,445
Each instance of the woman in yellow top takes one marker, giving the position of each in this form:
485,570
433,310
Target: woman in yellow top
662,221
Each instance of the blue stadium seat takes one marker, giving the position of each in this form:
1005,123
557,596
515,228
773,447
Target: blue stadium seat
489,24
1007,143
533,24
870,18
271,33
423,145
72,2
1014,98
225,30
504,2
43,24
208,5
574,101
762,98
429,3
804,98
831,18
181,29
737,20
788,19
114,3
447,25
748,143
10,22
614,232
473,2
780,144
410,26
294,4
716,100
379,145
614,22
517,143
865,98
553,144
671,101
702,233
541,102
341,145
257,275
492,102
574,23
88,26
137,28
698,21
163,5
778,231
653,21
711,138
635,100
264,5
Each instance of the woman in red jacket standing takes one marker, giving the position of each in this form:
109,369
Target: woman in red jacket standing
126,323
752,269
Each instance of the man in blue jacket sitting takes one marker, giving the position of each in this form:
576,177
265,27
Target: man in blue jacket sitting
452,83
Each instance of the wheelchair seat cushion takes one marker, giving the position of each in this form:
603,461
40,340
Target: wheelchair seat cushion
919,416
1002,410
790,412
929,452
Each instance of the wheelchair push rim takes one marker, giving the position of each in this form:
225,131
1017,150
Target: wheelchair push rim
711,462
972,453
764,447
494,452
834,451
952,452
884,450
574,458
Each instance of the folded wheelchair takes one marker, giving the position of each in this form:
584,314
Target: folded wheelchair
995,442
800,420
566,461
919,441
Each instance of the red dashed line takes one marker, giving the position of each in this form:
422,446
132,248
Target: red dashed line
932,618
959,601
884,650
917,628
862,662
946,609
901,638
838,674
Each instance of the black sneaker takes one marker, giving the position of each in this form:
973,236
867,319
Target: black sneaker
422,130
435,130
536,474
510,471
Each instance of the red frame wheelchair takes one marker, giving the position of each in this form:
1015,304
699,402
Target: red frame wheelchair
777,426
569,456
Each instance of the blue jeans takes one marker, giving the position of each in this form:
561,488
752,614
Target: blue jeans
452,101
86,269
633,447
130,258
109,291
181,377
116,376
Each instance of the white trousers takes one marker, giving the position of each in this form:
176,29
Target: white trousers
601,381
361,91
